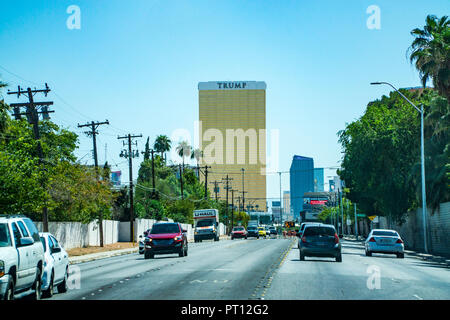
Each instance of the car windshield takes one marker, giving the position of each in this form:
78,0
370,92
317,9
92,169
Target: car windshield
5,239
205,223
251,228
238,229
165,228
319,231
385,233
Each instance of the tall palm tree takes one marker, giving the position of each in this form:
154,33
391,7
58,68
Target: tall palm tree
184,150
162,144
430,52
196,154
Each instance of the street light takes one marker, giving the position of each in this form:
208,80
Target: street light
422,156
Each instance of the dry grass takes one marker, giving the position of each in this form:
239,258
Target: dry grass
108,247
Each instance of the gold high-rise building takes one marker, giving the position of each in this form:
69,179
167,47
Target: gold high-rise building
233,137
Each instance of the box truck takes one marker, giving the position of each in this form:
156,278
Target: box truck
206,225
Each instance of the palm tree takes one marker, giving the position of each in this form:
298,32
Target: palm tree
184,150
430,51
162,144
196,154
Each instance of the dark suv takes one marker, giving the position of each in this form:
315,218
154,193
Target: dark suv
320,241
252,231
165,238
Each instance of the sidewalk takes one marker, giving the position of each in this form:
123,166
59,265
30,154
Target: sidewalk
418,255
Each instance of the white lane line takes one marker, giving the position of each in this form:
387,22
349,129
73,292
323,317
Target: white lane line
417,297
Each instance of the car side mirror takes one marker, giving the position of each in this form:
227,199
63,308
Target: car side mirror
341,236
184,231
26,241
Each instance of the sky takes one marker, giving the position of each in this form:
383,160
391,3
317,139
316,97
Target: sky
138,63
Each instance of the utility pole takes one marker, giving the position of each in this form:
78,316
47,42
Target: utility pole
32,115
206,178
153,174
216,188
227,188
281,210
243,190
130,155
356,223
232,208
93,132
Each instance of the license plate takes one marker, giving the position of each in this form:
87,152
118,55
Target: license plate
162,242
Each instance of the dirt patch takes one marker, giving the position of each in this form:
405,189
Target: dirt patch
108,247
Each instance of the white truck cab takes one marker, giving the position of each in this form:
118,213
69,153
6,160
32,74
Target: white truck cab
206,225
21,257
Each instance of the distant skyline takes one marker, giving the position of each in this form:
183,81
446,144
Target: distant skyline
138,64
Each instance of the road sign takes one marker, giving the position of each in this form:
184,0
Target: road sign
361,215
372,218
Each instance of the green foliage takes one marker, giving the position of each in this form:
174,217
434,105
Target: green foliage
430,51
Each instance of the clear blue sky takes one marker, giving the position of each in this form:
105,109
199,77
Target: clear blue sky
137,63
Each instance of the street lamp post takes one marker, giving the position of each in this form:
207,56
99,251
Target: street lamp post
422,156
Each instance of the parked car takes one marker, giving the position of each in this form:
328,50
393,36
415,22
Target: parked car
273,231
320,241
56,265
252,231
238,232
262,231
164,238
384,241
142,241
301,229
21,257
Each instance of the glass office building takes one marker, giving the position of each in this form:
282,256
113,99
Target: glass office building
318,180
301,181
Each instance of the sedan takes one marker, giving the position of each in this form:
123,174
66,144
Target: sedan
56,265
384,241
238,232
262,231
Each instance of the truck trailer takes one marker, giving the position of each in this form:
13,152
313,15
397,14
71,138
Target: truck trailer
206,225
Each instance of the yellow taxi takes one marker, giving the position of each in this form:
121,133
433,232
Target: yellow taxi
262,231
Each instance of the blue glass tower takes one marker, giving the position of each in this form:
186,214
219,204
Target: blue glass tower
301,181
318,180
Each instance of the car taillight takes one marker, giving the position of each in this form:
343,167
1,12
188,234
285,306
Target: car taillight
372,239
336,238
304,239
399,241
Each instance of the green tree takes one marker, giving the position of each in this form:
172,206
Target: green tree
184,150
430,52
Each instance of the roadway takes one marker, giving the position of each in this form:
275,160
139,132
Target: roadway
259,269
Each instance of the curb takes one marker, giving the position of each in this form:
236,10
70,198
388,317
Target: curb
99,256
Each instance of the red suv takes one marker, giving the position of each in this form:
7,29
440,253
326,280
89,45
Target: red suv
238,232
166,237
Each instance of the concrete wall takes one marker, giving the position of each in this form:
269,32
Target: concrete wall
438,226
78,235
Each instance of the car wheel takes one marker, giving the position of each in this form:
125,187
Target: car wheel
339,258
37,287
63,287
186,252
368,253
302,256
245,237
9,294
148,255
232,238
181,253
400,255
49,292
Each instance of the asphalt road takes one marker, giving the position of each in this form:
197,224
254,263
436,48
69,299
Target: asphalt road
259,269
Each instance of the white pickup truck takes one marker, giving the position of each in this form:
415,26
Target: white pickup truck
21,258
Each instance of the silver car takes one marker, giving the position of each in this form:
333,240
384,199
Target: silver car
384,241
